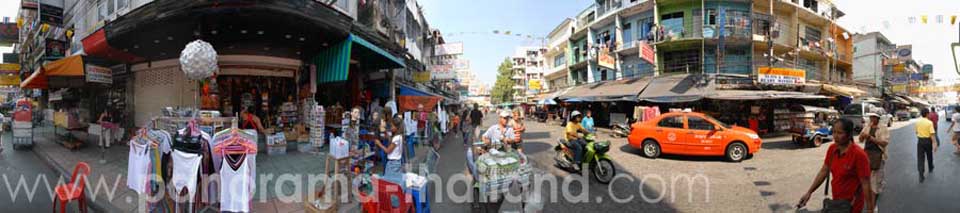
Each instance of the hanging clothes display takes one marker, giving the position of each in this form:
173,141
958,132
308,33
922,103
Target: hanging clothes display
140,159
234,154
186,166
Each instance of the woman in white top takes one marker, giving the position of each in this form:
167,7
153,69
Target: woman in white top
955,128
394,149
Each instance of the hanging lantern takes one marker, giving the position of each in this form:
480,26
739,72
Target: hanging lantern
19,22
44,28
198,60
69,34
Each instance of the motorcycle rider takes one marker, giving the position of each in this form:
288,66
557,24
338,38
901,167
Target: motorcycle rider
576,142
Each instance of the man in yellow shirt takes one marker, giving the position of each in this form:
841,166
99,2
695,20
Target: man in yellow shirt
576,142
926,142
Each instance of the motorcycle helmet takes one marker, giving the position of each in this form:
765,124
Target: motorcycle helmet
574,113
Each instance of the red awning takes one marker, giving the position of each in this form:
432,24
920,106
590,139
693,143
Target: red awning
96,45
71,66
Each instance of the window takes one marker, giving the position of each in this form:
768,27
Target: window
559,60
811,35
627,34
121,3
672,24
110,6
698,123
675,121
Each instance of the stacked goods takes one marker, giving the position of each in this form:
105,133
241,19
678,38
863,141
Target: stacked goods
497,170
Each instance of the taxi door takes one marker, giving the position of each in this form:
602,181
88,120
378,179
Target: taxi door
669,132
702,137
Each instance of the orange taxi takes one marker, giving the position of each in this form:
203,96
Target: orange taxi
691,133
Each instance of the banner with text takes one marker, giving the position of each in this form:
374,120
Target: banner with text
604,59
776,75
98,74
9,80
647,53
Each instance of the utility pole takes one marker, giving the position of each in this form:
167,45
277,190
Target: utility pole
773,21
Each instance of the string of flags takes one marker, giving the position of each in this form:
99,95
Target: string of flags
498,32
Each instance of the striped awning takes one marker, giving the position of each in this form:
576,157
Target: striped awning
333,63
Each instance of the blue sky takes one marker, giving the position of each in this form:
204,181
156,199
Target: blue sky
480,18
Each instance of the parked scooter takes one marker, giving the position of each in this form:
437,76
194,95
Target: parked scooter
596,157
621,130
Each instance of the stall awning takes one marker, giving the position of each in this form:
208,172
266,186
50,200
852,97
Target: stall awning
410,98
842,90
71,66
619,90
807,108
761,95
677,88
333,63
917,101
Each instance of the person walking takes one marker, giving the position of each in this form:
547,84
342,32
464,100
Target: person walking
476,119
847,163
875,138
935,118
926,142
955,129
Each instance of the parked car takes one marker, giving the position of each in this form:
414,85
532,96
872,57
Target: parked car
856,112
691,133
914,112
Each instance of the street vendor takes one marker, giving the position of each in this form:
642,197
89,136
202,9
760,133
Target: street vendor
499,133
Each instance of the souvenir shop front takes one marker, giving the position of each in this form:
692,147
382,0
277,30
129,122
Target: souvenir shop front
763,111
354,73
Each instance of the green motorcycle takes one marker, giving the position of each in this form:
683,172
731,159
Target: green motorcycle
600,164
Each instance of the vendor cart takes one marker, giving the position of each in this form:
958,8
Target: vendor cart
495,172
22,124
814,126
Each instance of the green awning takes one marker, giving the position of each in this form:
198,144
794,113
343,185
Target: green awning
333,63
372,53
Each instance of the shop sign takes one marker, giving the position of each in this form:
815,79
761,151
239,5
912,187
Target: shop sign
776,75
9,33
604,59
51,14
647,53
534,84
916,76
421,77
55,48
9,68
119,69
98,74
11,58
899,80
935,89
899,67
927,68
9,80
899,88
442,72
449,49
8,90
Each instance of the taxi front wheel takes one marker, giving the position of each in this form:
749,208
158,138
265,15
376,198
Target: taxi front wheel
736,152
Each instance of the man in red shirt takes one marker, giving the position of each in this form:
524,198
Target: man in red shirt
935,118
847,163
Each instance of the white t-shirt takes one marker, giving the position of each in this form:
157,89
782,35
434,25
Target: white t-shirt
397,153
956,118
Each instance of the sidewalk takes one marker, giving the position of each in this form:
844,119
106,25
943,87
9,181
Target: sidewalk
114,169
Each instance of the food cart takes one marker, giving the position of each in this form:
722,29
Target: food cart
814,126
496,172
22,124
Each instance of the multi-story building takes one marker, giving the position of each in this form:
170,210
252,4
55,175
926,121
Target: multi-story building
556,72
528,66
872,51
345,51
606,39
